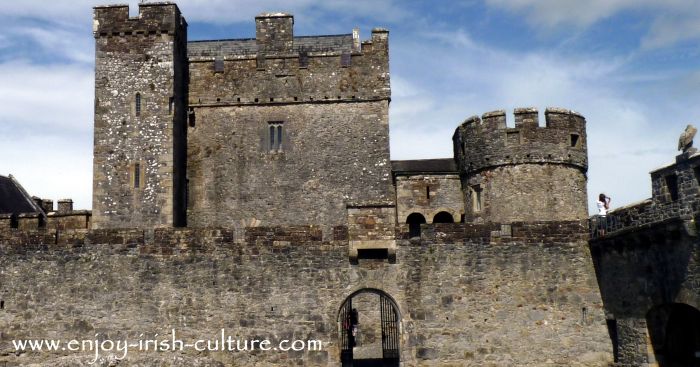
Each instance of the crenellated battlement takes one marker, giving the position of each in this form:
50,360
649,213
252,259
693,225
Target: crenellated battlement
487,141
153,18
523,173
527,117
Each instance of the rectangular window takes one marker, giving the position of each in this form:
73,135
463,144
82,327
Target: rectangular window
303,59
137,175
372,253
476,198
574,140
345,59
672,186
218,65
191,117
276,136
137,103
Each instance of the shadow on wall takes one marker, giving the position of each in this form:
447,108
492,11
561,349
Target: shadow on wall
655,265
674,330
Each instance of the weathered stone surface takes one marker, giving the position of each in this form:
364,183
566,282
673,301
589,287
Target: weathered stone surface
332,154
648,263
428,195
465,303
140,116
523,173
285,155
333,119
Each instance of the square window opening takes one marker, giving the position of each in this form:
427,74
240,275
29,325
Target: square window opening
574,140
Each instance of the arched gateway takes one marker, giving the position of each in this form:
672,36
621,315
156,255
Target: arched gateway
370,329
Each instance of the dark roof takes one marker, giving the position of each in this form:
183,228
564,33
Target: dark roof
442,165
248,46
13,198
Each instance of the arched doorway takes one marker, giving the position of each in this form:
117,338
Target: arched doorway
674,330
414,221
369,325
443,217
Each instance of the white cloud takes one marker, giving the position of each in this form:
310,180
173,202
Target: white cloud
53,167
215,11
438,79
672,20
71,44
39,97
46,129
626,136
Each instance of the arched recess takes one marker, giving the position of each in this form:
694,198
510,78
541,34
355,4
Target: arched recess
674,330
414,221
443,217
369,329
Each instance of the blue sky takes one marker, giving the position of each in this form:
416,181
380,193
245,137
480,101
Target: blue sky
632,67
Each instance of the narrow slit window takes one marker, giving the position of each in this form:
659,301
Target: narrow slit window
476,198
279,136
137,175
192,118
138,104
427,192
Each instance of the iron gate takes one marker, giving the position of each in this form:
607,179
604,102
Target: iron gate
390,332
346,338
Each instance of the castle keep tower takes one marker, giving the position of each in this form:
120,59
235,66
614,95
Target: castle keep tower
525,173
286,129
140,116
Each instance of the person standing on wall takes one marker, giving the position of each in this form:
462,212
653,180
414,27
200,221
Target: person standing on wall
603,208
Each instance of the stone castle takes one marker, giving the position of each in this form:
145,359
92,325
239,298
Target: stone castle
246,184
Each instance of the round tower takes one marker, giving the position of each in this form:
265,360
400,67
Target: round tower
526,173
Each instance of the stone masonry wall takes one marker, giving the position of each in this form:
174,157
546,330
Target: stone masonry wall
527,192
526,172
652,267
144,56
662,206
331,154
487,301
647,259
429,195
265,76
331,103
